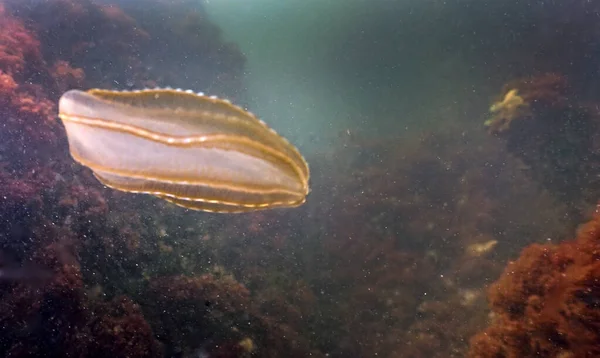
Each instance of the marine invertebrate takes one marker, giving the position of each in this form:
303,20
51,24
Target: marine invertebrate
59,318
546,302
354,274
481,248
505,111
196,151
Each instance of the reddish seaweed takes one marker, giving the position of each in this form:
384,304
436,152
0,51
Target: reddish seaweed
376,263
546,304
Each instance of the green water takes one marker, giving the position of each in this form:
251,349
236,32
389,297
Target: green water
317,68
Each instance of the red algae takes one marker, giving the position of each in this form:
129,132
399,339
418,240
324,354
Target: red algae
56,216
383,248
67,77
57,316
19,49
214,313
20,59
52,213
187,306
546,304
375,265
121,330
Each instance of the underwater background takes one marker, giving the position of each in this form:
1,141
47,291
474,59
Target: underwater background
455,173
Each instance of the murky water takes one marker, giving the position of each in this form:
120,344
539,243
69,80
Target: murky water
452,154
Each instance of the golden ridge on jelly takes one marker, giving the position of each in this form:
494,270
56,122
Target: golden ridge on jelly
196,151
